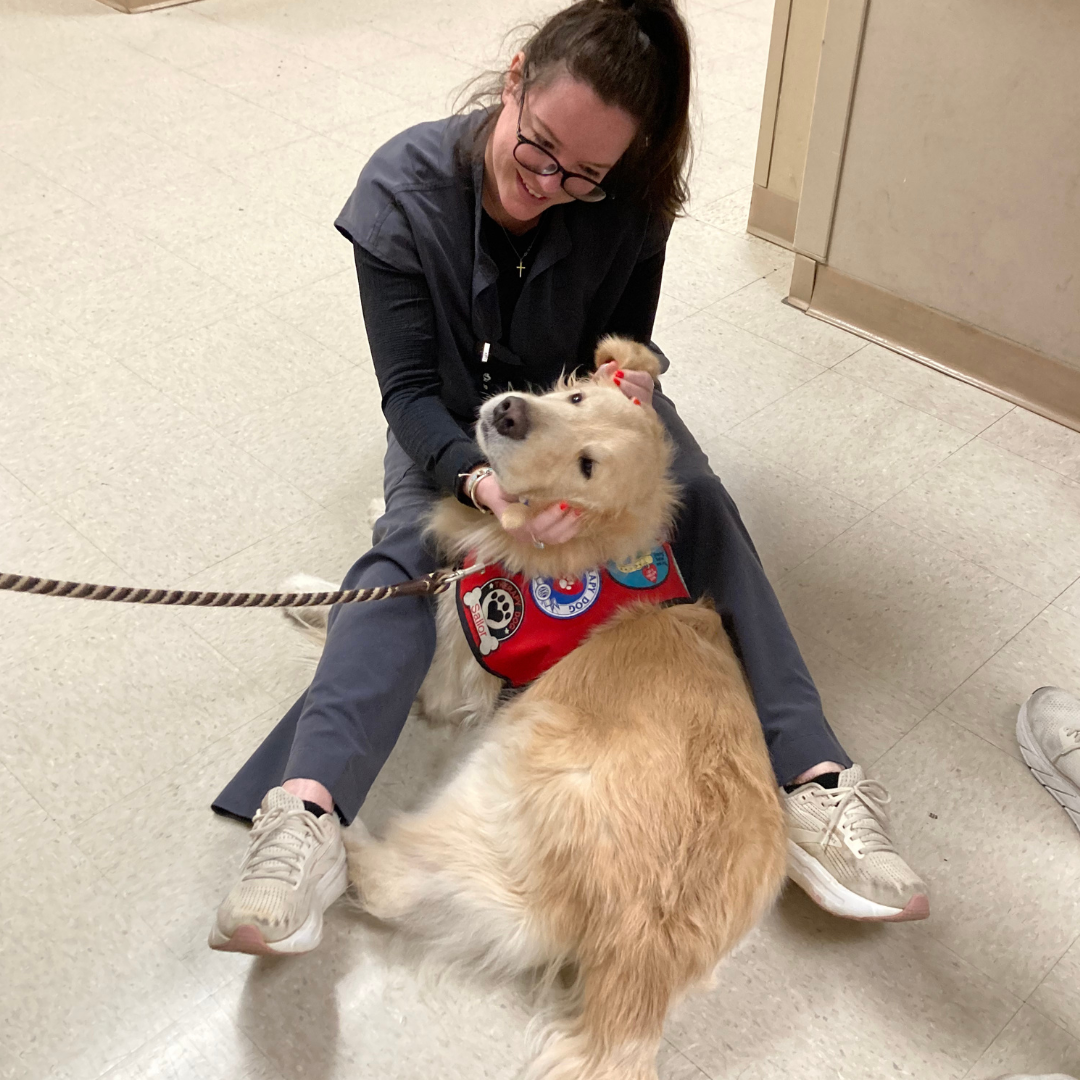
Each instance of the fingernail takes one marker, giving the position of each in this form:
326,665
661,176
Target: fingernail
577,512
620,374
618,381
564,506
634,401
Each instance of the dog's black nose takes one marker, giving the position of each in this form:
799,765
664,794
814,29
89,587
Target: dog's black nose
511,418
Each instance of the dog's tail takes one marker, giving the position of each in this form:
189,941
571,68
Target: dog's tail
617,1018
310,621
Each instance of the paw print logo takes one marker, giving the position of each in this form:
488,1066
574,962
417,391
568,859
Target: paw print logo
498,609
494,610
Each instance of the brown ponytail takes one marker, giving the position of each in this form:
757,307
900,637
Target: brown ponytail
635,54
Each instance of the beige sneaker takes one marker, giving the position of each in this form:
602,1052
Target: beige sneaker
840,853
293,871
1048,731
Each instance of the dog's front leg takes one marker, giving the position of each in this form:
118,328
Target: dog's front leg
457,689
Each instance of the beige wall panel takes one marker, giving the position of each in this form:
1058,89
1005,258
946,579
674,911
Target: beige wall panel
828,126
806,25
961,177
772,217
773,71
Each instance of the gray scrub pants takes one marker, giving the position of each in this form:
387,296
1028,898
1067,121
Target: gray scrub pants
343,727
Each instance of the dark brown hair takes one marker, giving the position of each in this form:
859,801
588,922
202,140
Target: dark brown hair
635,55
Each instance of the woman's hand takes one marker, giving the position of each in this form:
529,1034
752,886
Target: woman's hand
554,525
636,385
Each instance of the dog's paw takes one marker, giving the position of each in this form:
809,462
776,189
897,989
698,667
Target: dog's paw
311,620
307,583
376,509
630,355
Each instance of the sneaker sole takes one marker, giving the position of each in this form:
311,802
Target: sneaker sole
1063,789
836,899
249,939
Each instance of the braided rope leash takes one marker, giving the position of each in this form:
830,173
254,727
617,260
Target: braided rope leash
429,585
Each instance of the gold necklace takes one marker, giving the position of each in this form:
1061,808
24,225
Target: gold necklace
522,256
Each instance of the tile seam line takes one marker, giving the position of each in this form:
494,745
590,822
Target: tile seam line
173,767
919,703
997,1035
52,503
760,337
930,929
136,265
141,189
1019,631
862,343
1039,1012
863,382
185,582
318,504
361,363
730,433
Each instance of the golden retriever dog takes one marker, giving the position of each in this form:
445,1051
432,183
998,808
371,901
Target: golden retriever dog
617,827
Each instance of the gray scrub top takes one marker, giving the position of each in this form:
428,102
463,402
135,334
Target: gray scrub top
417,208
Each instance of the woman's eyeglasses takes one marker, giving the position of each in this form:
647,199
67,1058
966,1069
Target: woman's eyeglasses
536,159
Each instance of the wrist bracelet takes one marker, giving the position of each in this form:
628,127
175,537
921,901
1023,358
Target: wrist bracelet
474,478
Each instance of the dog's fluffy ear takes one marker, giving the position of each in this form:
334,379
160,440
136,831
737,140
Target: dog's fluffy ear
630,355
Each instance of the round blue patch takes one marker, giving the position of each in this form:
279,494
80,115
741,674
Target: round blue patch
642,571
565,598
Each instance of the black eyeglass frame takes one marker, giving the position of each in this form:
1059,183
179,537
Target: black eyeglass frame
598,194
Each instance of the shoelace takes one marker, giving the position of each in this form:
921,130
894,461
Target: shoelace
276,851
1068,733
864,804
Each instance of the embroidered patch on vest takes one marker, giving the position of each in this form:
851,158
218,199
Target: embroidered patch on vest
547,618
497,610
565,598
642,572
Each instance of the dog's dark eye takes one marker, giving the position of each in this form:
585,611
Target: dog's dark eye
586,464
576,399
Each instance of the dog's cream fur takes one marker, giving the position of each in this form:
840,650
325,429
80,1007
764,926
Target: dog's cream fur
619,820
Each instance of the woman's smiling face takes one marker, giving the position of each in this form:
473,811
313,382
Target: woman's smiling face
567,119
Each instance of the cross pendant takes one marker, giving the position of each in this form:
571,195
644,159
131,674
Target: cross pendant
521,267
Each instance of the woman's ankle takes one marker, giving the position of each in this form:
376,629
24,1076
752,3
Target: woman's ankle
817,770
311,791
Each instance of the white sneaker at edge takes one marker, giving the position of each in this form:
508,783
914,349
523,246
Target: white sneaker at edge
840,853
294,869
1048,731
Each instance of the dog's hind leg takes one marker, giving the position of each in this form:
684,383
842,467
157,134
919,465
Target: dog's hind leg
449,875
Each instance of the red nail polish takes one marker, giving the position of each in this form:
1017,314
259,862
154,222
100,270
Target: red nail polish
564,506
634,401
620,374
618,381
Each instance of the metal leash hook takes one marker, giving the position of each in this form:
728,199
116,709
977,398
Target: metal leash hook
429,585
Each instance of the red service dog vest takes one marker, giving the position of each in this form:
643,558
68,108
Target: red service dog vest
519,628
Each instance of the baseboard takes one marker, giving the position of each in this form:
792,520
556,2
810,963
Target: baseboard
1012,371
134,7
801,289
772,216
